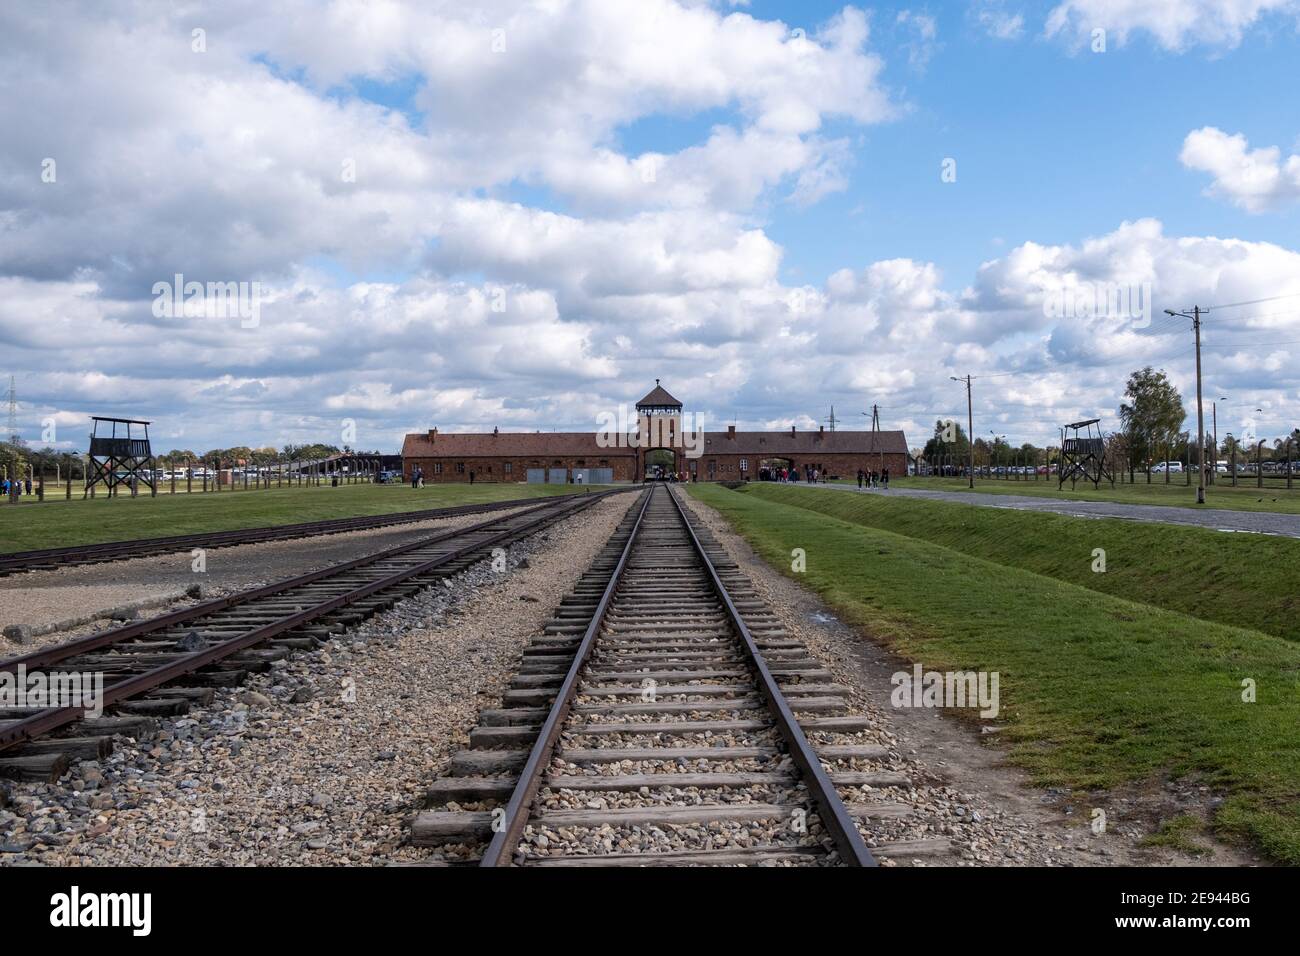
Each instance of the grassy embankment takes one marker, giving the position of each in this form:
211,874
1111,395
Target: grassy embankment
58,523
1126,677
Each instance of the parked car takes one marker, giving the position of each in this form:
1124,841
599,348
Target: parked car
387,477
1173,467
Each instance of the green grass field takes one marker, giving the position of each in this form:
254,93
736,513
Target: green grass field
1175,494
57,523
1244,580
1098,689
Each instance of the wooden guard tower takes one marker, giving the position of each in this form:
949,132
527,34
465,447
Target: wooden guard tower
1084,456
120,459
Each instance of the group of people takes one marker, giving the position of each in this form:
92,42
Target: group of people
16,487
873,479
417,477
811,474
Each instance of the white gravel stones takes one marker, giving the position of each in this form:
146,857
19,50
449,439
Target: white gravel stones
44,597
257,778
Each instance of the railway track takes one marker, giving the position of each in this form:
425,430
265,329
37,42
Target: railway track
663,718
219,642
51,558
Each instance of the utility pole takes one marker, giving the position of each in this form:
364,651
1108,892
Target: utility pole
1200,412
832,420
1214,411
970,430
15,441
875,434
13,436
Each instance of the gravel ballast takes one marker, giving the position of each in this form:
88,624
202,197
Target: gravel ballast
42,598
321,759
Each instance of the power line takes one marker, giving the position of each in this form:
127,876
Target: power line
1253,345
1234,305
1257,315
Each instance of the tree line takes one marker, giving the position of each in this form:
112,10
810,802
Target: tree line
47,460
1151,420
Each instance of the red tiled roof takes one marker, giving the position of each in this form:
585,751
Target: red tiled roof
584,445
513,444
658,396
804,443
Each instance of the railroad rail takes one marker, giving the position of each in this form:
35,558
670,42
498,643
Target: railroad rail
137,660
664,717
50,558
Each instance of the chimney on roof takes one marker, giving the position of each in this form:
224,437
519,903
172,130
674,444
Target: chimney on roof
494,429
731,431
821,429
791,431
433,433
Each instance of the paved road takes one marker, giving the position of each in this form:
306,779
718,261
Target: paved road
1257,522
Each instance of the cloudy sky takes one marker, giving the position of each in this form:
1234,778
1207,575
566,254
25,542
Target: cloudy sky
520,214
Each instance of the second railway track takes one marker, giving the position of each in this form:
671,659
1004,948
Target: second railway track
664,718
218,642
47,559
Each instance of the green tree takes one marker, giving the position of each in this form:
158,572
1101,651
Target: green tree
949,439
1153,415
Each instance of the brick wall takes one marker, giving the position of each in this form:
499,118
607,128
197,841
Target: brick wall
728,467
494,469
724,467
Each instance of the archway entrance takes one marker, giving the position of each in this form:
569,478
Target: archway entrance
769,469
660,464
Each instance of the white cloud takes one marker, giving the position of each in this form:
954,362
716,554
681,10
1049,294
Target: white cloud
924,31
1256,180
997,21
430,291
1173,24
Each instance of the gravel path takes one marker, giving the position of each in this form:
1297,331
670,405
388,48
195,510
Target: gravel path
321,759
963,790
44,597
1216,519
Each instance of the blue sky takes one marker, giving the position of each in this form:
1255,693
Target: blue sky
499,260
1050,146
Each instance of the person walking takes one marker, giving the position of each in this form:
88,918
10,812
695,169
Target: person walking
884,478
859,479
